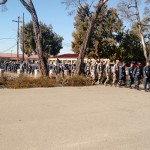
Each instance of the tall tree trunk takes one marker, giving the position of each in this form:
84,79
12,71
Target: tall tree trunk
149,54
38,37
140,31
143,44
84,45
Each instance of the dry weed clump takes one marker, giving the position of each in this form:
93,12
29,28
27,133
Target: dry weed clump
76,81
3,81
28,82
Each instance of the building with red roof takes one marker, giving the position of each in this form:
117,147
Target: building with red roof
64,58
13,57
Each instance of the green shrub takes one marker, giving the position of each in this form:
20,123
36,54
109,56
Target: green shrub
76,81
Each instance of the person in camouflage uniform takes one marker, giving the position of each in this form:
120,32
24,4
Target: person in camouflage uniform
87,68
100,71
107,72
116,73
93,71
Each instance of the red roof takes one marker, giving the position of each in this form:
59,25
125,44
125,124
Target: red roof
66,56
9,55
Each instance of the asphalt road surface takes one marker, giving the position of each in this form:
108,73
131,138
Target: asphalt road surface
82,118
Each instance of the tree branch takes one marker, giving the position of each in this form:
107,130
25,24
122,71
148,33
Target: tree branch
3,2
131,7
27,6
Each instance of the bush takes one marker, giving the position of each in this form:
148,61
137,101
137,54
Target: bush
28,82
3,81
76,81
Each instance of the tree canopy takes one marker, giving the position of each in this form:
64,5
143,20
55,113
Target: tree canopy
109,39
129,10
51,42
103,37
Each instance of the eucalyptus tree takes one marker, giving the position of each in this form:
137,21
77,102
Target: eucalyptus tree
82,50
129,9
103,39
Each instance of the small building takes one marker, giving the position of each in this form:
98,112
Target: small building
64,58
13,57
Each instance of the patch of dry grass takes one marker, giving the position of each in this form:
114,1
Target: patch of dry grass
27,82
77,81
30,82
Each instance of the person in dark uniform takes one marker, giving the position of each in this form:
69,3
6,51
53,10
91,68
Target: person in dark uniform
1,65
138,72
15,67
73,69
69,68
131,75
29,68
122,74
33,67
87,69
5,66
146,76
57,69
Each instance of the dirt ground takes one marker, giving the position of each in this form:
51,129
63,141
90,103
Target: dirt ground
82,118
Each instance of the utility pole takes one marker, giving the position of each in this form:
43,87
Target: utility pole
23,39
11,54
18,21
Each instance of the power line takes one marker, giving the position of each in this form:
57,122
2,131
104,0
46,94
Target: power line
9,48
7,39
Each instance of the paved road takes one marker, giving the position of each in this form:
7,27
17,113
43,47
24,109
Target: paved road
86,118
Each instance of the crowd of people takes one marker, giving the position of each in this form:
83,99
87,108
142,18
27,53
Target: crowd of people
31,66
100,72
119,74
13,66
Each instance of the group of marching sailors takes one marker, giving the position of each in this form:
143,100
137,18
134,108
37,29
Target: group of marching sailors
119,74
13,66
100,72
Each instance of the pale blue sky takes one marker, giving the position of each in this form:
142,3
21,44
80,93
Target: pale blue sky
50,12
